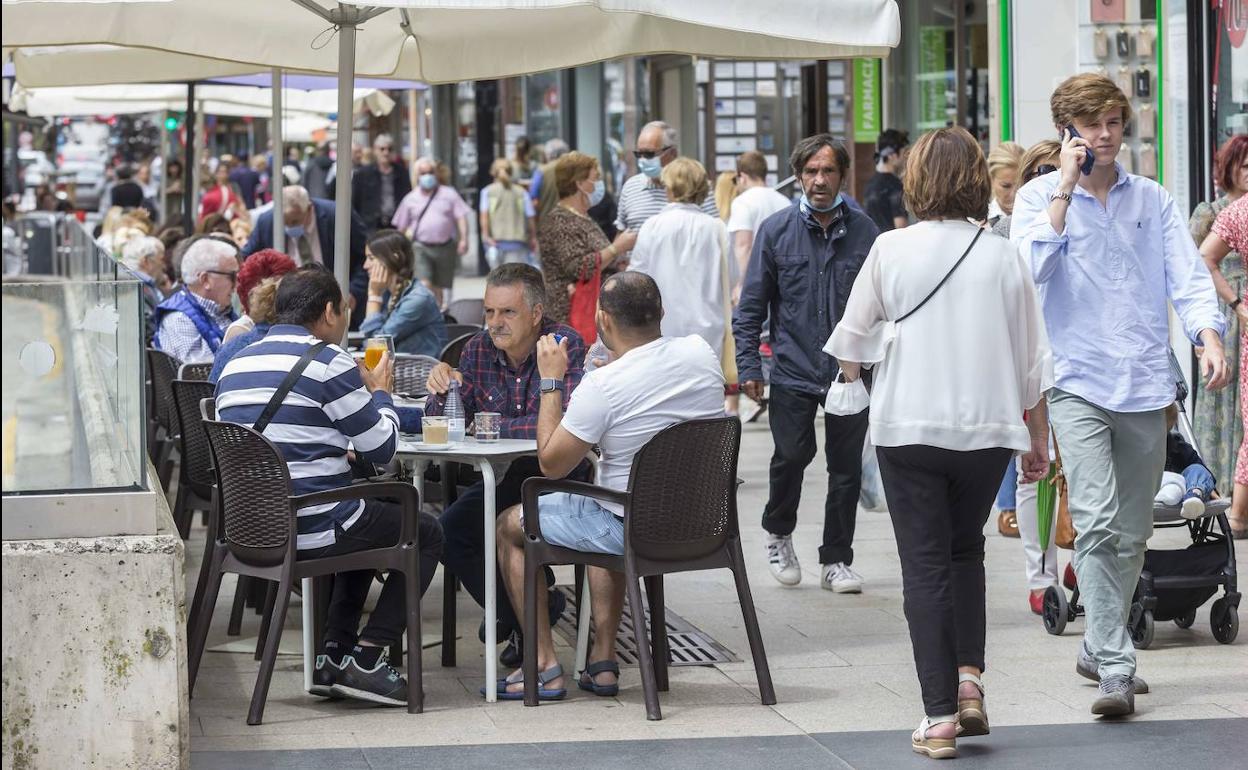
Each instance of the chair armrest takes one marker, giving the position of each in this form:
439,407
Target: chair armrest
408,497
536,485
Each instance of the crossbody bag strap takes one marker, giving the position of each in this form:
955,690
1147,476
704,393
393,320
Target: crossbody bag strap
279,395
962,258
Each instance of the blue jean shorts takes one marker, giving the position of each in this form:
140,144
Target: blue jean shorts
580,523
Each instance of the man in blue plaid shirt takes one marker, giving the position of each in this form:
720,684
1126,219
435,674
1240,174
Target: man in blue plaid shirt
498,373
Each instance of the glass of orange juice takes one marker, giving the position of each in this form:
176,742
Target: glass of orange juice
375,346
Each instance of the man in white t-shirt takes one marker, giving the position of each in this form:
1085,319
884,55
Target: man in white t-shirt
753,204
652,382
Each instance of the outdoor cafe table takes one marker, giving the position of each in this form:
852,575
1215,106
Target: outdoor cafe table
492,459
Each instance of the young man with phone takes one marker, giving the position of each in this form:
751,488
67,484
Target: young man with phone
1108,251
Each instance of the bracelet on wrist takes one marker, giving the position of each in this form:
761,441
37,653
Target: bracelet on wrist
376,298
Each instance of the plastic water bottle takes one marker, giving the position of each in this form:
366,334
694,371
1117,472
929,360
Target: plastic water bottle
454,412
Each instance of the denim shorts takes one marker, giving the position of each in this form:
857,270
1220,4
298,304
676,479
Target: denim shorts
580,523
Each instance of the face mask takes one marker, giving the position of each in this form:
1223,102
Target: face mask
806,204
427,181
651,167
295,233
600,191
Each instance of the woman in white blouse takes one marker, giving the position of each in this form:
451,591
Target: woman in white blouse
949,318
684,250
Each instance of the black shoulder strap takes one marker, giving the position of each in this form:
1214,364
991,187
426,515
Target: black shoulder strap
292,377
946,278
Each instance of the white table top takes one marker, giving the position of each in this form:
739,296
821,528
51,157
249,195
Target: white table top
469,448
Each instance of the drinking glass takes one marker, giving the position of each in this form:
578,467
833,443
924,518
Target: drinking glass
488,425
434,430
375,346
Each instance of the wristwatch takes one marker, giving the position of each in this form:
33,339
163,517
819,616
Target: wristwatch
549,385
1058,194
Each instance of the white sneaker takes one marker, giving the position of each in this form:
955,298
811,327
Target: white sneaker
840,579
1193,508
782,560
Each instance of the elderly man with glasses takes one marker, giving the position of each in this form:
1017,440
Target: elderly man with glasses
191,323
643,195
377,188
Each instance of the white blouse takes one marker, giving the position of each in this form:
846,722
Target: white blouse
960,372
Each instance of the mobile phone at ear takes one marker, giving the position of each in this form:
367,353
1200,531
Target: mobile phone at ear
1089,160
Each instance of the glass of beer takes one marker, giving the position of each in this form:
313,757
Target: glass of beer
435,431
375,346
488,426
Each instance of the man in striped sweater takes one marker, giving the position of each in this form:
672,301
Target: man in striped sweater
335,406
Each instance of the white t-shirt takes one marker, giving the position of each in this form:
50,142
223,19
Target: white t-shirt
751,207
622,406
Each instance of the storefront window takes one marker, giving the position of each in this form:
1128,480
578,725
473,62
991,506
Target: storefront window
543,104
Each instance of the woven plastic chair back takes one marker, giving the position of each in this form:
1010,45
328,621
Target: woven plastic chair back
253,489
194,371
467,311
196,456
455,348
683,485
163,369
411,374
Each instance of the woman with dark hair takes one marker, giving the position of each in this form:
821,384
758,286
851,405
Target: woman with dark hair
398,305
947,401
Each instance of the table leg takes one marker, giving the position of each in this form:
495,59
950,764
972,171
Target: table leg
491,598
309,641
582,630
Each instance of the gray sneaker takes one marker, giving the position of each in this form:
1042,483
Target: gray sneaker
1085,666
380,684
1117,698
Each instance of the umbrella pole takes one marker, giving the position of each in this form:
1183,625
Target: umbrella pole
189,175
342,184
276,178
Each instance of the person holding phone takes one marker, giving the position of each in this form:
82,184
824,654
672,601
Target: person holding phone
1108,250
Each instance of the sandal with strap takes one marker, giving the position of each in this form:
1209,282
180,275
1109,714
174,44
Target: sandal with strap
936,748
544,677
972,716
587,683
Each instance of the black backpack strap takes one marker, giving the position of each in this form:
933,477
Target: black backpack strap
287,385
946,278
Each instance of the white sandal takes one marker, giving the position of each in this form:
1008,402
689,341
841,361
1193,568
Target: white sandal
936,748
972,716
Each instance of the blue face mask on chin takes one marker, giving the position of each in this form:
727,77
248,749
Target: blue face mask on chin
651,167
806,204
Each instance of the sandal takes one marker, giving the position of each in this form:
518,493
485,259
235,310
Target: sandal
587,683
549,675
972,716
936,748
1007,523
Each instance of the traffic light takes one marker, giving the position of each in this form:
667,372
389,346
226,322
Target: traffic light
171,123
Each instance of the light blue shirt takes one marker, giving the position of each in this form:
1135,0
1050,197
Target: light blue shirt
416,323
1104,283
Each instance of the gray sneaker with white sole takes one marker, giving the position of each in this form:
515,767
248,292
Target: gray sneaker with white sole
1085,666
1117,697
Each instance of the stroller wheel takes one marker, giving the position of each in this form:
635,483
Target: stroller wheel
1055,610
1224,619
1187,619
1141,626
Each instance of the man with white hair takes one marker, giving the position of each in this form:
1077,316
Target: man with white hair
144,256
435,217
309,238
643,195
191,323
377,188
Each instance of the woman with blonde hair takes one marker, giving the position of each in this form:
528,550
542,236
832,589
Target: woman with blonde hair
947,402
725,191
508,220
1003,165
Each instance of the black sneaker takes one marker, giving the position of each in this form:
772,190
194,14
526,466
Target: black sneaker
324,676
513,654
381,684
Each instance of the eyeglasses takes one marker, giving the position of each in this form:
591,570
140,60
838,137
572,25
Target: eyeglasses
232,275
1041,170
648,154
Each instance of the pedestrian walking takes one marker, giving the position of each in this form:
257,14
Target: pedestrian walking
508,219
643,195
882,197
436,219
755,202
803,265
377,189
1003,164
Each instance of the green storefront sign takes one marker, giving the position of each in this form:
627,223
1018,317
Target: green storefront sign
868,118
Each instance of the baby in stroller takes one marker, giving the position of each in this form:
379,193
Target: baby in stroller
1187,482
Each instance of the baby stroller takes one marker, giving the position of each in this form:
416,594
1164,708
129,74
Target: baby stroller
1174,584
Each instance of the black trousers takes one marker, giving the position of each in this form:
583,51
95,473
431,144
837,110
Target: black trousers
792,418
939,501
379,525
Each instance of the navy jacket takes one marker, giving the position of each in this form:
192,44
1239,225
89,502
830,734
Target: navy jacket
366,193
262,238
800,275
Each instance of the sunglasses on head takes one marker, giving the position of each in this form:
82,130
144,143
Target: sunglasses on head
1041,170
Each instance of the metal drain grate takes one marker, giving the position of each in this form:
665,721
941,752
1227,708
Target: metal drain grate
689,646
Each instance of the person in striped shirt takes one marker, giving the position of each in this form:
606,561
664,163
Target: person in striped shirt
335,407
643,196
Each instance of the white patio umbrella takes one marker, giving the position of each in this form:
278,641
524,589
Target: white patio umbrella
440,41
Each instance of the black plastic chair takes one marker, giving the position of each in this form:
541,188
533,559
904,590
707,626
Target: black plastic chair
455,348
257,535
467,311
455,331
162,368
680,515
198,371
195,478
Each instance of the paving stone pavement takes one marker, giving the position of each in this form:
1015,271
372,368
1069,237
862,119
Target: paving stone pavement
842,667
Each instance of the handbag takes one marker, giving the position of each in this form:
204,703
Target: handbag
584,303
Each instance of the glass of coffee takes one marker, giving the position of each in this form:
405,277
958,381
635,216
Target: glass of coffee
489,425
435,433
